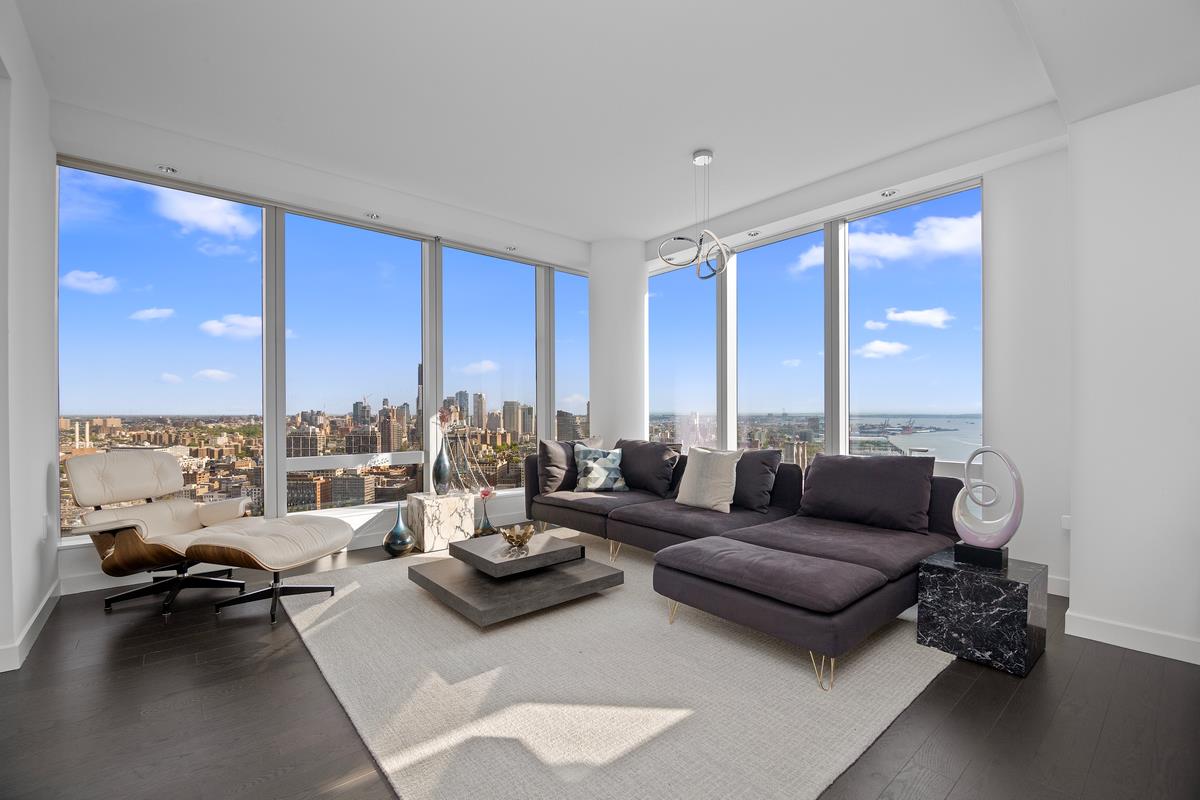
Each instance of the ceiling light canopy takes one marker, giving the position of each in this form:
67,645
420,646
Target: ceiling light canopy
167,169
708,253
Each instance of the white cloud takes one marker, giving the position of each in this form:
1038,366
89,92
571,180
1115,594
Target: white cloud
218,375
874,325
930,317
170,377
791,362
812,257
235,326
932,237
573,401
218,250
82,196
881,349
196,212
480,367
290,334
145,314
88,281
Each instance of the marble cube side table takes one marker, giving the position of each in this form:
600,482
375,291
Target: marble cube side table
436,520
996,617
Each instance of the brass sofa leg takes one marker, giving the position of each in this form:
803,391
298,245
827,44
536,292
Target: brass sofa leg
614,548
672,610
820,673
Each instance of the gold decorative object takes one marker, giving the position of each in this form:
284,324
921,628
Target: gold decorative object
517,535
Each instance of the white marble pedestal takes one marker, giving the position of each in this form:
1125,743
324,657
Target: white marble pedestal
437,520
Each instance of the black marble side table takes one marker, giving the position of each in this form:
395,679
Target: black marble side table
994,616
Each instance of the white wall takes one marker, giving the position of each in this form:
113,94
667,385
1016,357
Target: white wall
29,403
1135,543
1027,309
617,296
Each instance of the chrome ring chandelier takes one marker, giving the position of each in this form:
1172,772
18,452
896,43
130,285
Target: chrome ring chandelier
708,253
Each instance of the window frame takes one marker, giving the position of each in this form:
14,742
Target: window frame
274,355
837,332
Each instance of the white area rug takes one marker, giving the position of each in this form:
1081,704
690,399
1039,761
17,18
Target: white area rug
600,698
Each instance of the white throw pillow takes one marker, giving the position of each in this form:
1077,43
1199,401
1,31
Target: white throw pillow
709,479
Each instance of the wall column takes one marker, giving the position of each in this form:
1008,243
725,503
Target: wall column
617,312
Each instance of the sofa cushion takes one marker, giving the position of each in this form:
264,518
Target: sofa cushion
595,502
710,479
556,466
816,584
943,493
756,471
667,515
891,552
599,470
647,465
882,491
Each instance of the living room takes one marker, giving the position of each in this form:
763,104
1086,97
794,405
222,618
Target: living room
604,400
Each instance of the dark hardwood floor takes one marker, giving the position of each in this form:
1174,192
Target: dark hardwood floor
126,705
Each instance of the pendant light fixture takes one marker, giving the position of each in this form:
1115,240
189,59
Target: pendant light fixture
708,253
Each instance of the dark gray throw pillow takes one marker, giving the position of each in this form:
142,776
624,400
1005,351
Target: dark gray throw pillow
756,478
881,491
647,465
556,466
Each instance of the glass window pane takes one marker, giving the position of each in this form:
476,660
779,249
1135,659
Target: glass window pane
160,331
572,418
351,389
489,365
683,359
916,329
781,367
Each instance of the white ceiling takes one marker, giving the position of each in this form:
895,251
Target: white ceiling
573,117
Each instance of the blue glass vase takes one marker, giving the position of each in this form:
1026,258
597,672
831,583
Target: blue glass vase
441,470
399,540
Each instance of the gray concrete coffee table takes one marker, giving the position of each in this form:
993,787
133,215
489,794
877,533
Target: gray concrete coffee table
486,585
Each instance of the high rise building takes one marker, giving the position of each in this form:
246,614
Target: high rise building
565,427
494,421
479,410
511,417
392,432
463,401
363,440
527,421
361,414
305,442
420,421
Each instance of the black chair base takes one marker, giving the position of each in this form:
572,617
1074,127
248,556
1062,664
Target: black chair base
172,585
274,591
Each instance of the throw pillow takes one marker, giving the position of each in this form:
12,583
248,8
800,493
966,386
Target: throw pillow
756,471
881,491
647,465
556,466
709,480
599,470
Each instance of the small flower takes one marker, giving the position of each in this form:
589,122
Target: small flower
443,416
486,492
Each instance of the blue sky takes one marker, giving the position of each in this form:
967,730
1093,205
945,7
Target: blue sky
915,320
161,310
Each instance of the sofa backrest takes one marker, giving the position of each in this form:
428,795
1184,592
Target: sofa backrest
789,483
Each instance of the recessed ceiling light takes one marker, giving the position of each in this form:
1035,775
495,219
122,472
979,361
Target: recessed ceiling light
752,234
511,248
371,215
702,158
167,169
887,193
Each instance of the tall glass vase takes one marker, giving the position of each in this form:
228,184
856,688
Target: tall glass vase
485,525
399,540
441,469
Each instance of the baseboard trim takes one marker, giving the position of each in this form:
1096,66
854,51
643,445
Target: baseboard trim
1059,586
12,656
1146,640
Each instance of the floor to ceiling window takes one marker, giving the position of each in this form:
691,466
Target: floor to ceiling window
353,343
160,328
489,365
683,359
572,410
781,358
915,329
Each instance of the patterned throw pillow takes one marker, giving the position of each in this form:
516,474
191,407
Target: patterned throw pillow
599,470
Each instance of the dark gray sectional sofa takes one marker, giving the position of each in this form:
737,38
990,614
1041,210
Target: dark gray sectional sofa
823,584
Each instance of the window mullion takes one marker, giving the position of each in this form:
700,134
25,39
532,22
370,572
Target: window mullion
837,335
727,402
544,356
274,365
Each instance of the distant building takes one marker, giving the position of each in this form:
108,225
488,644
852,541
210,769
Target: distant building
307,492
565,427
494,421
361,413
363,440
511,417
305,442
479,416
527,428
463,401
353,490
